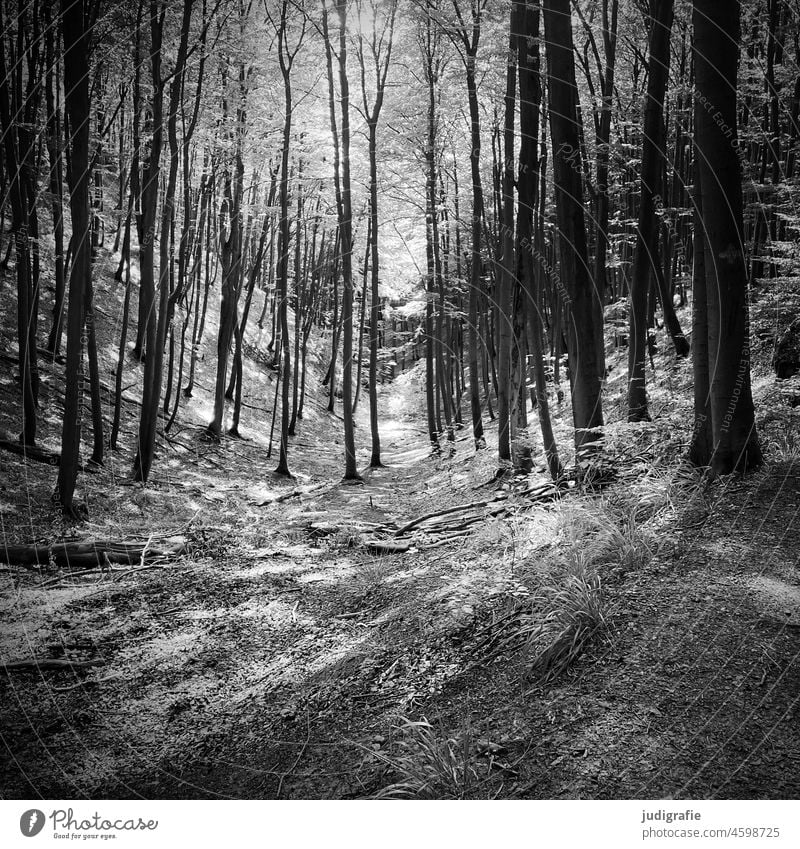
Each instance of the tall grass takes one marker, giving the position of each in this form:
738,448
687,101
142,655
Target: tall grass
431,767
575,615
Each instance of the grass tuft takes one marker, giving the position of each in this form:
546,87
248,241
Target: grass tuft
430,767
575,614
595,536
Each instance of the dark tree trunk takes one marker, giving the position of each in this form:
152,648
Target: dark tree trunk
286,59
157,327
529,245
56,182
75,28
603,148
701,445
646,264
346,227
505,278
231,259
576,286
476,262
18,153
202,271
735,442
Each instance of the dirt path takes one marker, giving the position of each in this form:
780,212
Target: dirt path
277,662
261,630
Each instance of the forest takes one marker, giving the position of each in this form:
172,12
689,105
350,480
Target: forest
399,399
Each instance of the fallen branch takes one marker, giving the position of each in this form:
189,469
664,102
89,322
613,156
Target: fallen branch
80,573
48,663
147,568
295,493
444,541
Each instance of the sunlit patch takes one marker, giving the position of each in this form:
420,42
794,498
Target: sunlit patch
343,569
778,597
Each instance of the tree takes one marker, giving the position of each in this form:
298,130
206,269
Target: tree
344,209
530,223
157,323
380,61
231,234
609,21
56,177
505,274
287,54
16,118
576,285
429,40
646,265
734,445
76,27
469,35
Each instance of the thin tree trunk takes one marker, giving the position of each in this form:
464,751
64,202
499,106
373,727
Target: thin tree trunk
346,227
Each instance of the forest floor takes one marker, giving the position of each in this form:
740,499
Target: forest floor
278,658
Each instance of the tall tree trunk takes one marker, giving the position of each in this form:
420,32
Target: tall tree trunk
154,134
231,259
529,245
702,442
476,263
603,139
576,285
75,28
202,270
286,59
298,294
346,226
647,259
17,164
717,33
158,325
363,314
505,278
56,182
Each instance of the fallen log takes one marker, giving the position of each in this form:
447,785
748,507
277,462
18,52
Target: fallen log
385,546
48,663
91,553
30,452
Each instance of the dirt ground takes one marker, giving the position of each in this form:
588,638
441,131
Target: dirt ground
278,658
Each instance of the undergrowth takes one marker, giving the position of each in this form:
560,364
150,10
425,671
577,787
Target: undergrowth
574,615
429,766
